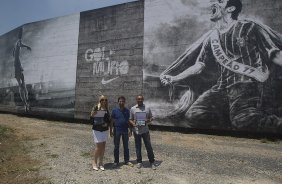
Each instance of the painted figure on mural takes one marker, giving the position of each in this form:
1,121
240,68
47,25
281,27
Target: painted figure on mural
244,52
19,69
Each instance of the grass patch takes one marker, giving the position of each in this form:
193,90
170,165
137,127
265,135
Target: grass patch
54,155
85,154
4,132
16,165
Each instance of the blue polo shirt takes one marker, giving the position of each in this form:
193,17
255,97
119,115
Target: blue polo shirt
121,118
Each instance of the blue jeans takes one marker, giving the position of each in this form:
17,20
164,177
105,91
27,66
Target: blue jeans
124,136
138,146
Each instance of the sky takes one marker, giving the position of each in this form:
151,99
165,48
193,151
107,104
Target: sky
14,13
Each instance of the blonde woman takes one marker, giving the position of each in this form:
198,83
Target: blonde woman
101,120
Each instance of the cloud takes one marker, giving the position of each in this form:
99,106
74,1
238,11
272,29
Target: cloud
170,27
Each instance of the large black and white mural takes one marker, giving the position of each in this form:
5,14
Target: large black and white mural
206,64
38,67
214,64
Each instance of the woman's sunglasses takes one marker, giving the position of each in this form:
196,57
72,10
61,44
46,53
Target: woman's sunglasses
102,100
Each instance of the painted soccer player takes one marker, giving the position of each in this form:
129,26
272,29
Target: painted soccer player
19,69
243,51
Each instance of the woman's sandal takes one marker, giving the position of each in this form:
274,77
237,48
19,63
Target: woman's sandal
95,167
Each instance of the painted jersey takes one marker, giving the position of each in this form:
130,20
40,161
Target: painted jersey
246,43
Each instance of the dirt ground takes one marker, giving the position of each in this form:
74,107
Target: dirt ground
65,154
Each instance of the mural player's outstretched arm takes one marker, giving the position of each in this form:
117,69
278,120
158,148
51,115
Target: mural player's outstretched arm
195,69
23,45
270,42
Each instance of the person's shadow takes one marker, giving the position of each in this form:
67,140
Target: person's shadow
145,164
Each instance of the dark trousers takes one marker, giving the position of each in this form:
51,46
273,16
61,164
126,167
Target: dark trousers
138,145
124,136
238,107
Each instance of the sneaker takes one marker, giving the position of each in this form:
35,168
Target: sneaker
102,168
153,166
139,165
128,164
115,165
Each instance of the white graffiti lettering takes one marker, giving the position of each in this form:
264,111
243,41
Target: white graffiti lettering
102,65
110,68
97,54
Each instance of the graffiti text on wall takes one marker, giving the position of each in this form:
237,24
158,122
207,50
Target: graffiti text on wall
103,65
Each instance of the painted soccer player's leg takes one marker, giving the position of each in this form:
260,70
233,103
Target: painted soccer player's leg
247,112
23,92
209,110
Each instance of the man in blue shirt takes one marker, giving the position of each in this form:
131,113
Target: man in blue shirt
120,119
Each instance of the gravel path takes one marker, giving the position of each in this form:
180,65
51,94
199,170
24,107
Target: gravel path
65,150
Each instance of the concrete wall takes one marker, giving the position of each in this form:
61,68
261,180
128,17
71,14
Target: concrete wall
110,56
